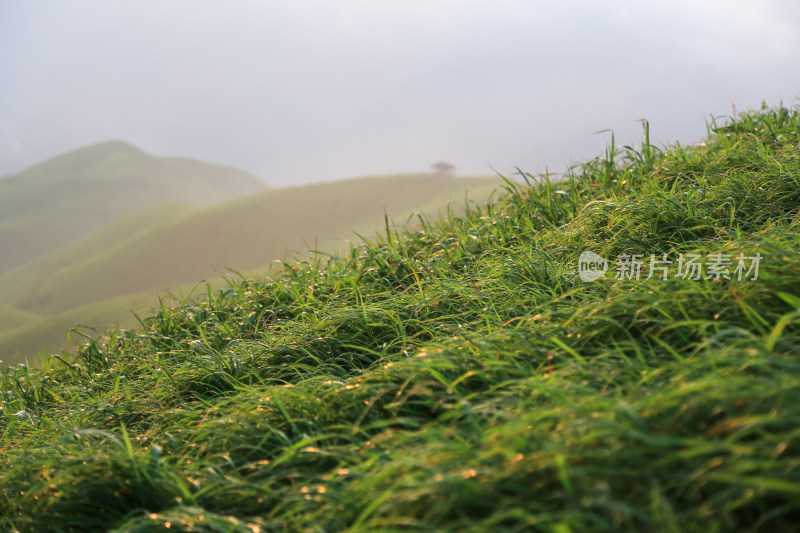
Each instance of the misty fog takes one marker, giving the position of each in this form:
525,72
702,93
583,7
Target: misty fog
297,92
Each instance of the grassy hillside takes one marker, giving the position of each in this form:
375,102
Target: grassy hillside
11,317
165,247
19,286
69,196
38,334
243,235
460,377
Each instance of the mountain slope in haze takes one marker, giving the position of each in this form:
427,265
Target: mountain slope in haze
69,196
138,254
20,284
12,318
35,334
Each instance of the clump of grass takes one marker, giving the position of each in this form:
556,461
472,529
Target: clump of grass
459,376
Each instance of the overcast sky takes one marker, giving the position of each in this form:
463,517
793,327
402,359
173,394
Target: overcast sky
297,91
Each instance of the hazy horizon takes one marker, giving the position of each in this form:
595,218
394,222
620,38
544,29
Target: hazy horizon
299,92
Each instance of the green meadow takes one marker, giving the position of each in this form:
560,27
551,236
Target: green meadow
458,374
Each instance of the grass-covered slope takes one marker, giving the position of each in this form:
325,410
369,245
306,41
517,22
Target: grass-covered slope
64,198
29,339
20,287
11,318
460,377
99,279
163,248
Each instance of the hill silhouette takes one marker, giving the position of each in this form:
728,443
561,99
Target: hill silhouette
71,195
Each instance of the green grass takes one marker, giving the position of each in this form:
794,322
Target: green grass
69,196
458,377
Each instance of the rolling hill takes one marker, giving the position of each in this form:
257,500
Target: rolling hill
97,279
21,284
52,333
69,196
12,318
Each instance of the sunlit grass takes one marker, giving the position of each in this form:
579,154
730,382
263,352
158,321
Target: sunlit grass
460,377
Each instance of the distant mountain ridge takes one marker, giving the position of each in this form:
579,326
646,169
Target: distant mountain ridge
69,196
